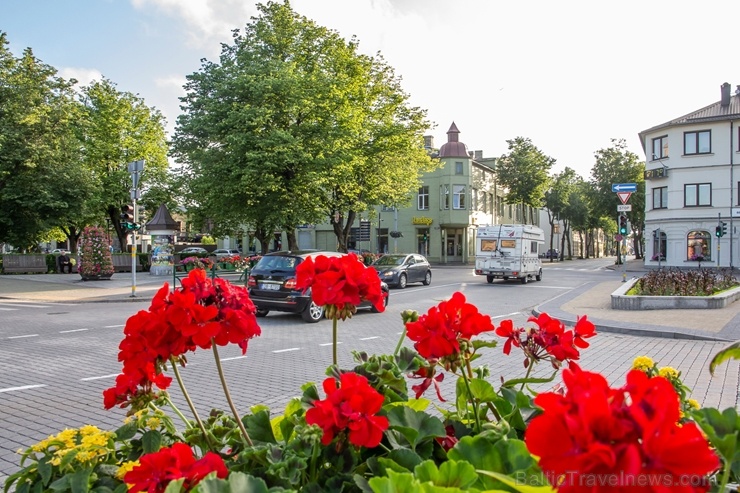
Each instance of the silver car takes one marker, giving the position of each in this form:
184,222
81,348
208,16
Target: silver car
400,269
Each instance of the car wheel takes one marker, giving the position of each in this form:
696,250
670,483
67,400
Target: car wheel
525,279
385,304
539,275
262,313
402,281
313,313
427,279
506,278
489,279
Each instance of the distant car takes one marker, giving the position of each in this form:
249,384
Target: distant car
400,269
226,252
271,286
193,250
59,251
552,253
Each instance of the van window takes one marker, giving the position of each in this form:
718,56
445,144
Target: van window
508,243
487,245
533,247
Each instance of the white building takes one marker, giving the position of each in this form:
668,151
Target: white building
691,186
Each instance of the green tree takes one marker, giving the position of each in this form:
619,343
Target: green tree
40,177
294,126
524,171
118,128
613,165
557,201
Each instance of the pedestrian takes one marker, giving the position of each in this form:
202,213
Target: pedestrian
64,263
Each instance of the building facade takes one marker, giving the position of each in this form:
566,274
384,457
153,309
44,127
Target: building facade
692,191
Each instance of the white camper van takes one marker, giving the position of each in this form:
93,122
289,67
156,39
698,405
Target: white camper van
509,251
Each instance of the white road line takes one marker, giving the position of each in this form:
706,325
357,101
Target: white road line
330,343
112,326
21,337
34,306
286,350
113,375
507,315
235,357
73,330
8,309
25,387
368,338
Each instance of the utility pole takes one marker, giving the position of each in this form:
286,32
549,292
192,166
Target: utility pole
134,168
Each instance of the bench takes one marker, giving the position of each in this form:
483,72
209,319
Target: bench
122,263
33,263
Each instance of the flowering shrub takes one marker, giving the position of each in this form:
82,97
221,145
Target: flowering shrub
697,258
657,257
677,282
369,434
95,257
197,262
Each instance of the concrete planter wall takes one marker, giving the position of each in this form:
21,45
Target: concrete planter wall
621,301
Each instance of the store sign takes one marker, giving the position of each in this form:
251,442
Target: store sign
425,221
656,173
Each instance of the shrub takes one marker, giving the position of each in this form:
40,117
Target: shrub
677,282
95,257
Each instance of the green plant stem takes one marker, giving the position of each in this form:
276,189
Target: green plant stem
187,422
529,370
188,400
725,476
245,435
334,338
400,341
472,401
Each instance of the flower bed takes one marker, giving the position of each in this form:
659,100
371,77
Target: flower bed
365,430
193,262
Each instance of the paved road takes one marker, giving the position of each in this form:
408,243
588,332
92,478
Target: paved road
58,352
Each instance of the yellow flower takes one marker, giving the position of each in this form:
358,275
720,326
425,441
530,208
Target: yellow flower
693,403
668,372
89,430
153,423
126,467
99,440
643,363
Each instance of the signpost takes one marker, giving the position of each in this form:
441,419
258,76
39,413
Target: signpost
624,208
624,191
134,168
624,187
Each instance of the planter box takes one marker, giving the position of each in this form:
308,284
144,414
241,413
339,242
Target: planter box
621,301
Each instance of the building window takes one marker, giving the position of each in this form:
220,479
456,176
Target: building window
458,196
423,201
697,142
697,194
698,246
659,246
660,148
458,167
660,198
444,197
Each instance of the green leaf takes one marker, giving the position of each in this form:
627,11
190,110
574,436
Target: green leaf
450,474
487,453
415,426
731,351
259,428
79,481
518,381
151,441
45,470
394,483
517,485
127,431
175,486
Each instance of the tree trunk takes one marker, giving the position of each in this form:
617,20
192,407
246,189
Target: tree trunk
292,240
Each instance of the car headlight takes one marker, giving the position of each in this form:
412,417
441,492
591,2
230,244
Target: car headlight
388,273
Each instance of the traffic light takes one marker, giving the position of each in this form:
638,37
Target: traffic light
724,228
718,231
623,225
424,237
127,217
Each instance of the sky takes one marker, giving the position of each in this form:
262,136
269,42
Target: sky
569,75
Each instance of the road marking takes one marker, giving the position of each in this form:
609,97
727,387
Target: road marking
286,350
21,337
99,378
25,387
330,343
368,338
507,315
29,306
235,357
73,330
8,309
112,326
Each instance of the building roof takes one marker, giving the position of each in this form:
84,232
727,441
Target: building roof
162,220
712,113
453,148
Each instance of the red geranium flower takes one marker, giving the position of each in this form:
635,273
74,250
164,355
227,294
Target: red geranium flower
437,334
349,408
627,437
156,470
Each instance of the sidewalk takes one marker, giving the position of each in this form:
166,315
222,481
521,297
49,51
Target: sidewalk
591,299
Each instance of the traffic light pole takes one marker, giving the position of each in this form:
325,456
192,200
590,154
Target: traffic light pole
134,168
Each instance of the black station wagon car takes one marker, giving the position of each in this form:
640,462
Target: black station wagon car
272,286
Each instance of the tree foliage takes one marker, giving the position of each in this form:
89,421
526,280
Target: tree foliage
294,126
524,171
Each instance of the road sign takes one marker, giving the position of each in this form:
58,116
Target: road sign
624,187
624,196
624,208
618,237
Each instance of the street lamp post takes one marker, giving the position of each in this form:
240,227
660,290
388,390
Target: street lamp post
134,168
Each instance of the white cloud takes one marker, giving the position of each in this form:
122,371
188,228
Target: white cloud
84,76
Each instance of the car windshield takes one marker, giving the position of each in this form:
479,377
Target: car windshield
277,262
390,260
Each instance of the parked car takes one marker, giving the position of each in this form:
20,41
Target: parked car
552,253
190,250
400,269
59,251
272,287
226,252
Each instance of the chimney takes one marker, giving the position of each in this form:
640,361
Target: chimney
725,101
478,155
429,141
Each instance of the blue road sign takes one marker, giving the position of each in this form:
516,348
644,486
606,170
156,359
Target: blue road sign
624,187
